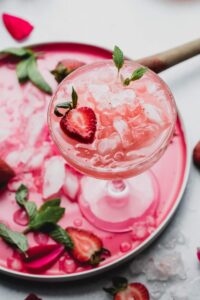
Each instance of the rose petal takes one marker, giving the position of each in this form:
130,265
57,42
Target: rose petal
17,27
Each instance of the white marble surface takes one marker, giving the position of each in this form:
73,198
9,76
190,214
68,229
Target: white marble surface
140,28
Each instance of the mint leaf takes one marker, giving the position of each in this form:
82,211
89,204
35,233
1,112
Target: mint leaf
36,77
21,195
50,203
118,58
137,74
61,236
46,217
22,70
31,209
74,98
14,238
19,52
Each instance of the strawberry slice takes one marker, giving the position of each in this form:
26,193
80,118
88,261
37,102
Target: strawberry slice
122,290
88,248
65,67
42,257
80,124
17,27
6,173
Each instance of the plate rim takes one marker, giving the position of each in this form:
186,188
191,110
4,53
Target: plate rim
143,245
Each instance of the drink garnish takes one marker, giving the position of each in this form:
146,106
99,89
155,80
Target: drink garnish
77,123
88,248
14,238
65,67
121,289
118,58
137,74
27,68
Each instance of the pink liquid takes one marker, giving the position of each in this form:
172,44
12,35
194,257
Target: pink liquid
134,122
25,144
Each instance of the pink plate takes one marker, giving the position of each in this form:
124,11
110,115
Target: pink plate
26,145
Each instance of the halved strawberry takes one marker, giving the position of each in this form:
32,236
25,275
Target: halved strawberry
80,124
6,173
65,67
88,248
122,290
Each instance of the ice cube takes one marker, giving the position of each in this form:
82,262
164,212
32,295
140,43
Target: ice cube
109,145
38,158
165,267
157,289
54,176
100,92
122,128
180,294
153,113
71,184
173,238
122,97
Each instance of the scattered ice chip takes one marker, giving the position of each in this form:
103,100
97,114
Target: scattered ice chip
165,267
54,176
173,238
180,294
34,128
157,289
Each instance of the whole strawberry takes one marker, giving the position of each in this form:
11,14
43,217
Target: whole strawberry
122,290
88,248
65,67
196,155
77,123
6,173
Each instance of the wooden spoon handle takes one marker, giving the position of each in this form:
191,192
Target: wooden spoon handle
164,60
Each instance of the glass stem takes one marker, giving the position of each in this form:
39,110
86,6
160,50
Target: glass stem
117,185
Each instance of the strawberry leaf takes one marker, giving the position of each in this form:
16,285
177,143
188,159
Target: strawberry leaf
74,98
61,236
14,238
60,72
118,58
36,77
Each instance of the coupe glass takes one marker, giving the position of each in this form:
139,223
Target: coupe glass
135,124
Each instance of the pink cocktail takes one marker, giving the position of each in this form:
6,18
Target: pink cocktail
134,126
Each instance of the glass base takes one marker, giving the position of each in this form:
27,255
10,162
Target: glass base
115,206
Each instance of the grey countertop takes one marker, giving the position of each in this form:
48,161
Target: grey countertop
169,267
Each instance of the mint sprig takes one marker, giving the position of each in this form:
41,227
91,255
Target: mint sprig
67,105
137,74
45,218
61,236
118,58
14,238
27,68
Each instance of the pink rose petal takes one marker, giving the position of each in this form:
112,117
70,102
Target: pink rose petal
18,28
